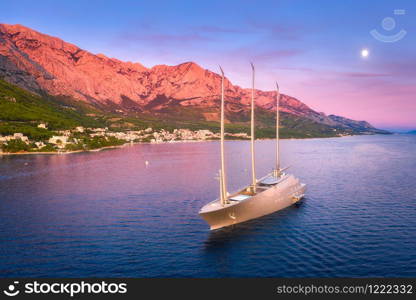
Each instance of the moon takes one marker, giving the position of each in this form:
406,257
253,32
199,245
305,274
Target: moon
365,53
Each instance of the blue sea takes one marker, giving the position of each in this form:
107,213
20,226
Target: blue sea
109,214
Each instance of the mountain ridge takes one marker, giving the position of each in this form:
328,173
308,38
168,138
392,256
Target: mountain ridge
41,63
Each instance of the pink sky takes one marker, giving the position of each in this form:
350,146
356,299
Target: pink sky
312,48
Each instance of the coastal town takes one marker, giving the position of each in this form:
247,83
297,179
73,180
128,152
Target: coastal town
84,139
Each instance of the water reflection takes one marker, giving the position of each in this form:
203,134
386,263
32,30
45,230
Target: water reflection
220,238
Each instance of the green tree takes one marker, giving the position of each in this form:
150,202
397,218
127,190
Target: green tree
14,146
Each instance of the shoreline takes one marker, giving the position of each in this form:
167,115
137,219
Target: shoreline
105,148
63,152
168,142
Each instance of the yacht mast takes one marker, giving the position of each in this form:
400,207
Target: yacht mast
253,168
277,131
223,189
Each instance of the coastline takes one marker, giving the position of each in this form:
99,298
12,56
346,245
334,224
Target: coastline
167,142
64,152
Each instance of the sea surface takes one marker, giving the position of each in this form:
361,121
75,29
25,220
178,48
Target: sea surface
109,214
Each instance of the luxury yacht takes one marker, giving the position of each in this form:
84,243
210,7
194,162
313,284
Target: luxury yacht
263,196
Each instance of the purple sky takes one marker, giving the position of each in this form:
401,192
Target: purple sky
313,48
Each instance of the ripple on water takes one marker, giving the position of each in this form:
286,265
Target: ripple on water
107,214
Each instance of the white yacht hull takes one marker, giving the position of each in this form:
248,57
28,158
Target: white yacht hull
266,201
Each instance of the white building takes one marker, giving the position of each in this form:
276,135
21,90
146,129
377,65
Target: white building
40,145
20,136
59,140
64,132
79,129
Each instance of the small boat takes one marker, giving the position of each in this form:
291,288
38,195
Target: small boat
263,196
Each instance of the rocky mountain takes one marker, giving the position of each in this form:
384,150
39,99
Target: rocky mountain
43,64
356,126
